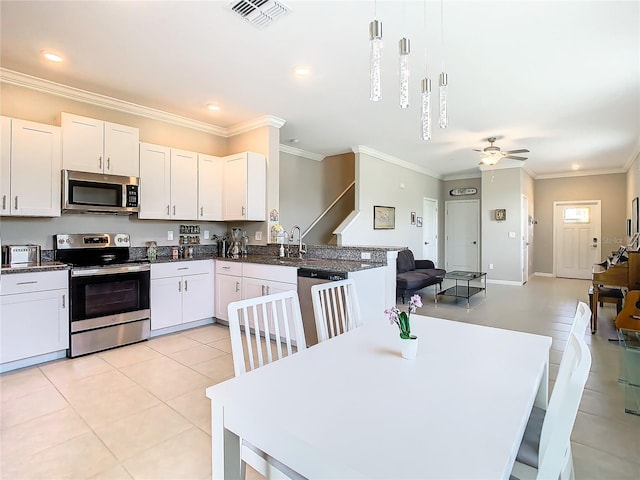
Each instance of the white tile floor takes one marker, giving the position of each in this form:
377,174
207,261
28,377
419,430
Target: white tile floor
140,411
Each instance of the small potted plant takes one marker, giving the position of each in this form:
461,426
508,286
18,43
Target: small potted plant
401,319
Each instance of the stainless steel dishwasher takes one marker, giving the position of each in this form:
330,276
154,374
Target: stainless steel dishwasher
307,277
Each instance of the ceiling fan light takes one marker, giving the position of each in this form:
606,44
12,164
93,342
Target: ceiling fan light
490,160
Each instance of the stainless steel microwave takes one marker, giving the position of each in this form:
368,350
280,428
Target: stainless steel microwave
84,192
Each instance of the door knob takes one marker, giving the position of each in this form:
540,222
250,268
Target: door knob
474,242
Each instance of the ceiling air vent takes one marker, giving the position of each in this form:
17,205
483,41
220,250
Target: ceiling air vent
260,12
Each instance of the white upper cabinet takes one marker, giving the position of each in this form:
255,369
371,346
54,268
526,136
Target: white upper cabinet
30,169
91,145
155,182
209,187
184,185
244,189
168,183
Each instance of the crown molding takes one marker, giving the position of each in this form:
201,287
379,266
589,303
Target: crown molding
462,176
394,160
46,86
301,153
247,126
585,173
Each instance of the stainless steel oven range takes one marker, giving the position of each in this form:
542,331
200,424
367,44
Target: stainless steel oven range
109,292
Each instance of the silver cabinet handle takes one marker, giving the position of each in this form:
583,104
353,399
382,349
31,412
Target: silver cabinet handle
167,209
4,202
268,290
64,301
201,211
237,286
243,211
186,285
16,202
108,163
226,268
100,163
262,289
32,282
179,286
174,209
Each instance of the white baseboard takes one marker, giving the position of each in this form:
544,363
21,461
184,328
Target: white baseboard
505,282
544,274
29,362
182,326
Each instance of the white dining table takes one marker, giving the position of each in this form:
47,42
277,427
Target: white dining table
352,407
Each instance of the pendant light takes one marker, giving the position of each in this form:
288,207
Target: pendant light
426,87
375,57
405,50
444,120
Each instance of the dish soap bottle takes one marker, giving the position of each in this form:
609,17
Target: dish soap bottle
281,250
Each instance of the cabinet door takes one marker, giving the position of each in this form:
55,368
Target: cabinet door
121,150
82,143
155,182
184,182
253,287
197,298
234,189
256,187
35,169
5,165
166,302
33,324
209,188
228,289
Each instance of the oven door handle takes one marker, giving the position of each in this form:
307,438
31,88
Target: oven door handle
109,270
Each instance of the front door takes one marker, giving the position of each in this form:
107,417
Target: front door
462,228
576,238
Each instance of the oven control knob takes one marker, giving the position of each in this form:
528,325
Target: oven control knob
60,241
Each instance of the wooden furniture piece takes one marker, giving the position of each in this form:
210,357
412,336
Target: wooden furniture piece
407,418
252,322
335,308
546,448
621,275
629,317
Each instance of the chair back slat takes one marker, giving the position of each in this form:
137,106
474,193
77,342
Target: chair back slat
335,307
267,323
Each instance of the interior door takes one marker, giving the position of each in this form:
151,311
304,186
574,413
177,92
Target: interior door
576,238
462,232
524,261
430,230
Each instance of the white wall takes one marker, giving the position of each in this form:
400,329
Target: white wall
378,182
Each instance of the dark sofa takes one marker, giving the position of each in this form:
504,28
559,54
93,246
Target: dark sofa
413,275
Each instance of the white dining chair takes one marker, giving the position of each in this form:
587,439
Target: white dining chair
545,451
264,329
335,308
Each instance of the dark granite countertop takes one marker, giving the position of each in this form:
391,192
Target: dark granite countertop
43,267
322,264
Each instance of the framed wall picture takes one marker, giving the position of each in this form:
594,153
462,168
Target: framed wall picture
629,232
413,218
501,214
384,218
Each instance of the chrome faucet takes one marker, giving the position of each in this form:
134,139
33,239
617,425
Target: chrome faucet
301,250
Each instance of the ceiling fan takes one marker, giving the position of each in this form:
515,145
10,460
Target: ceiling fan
492,154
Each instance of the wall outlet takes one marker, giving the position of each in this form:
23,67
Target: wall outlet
365,256
258,236
491,266
207,235
170,235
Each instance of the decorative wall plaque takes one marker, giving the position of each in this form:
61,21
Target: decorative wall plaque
460,192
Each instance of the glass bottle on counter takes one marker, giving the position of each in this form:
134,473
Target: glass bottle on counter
152,251
245,243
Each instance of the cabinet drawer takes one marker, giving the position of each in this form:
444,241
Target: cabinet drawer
177,269
275,273
228,268
33,282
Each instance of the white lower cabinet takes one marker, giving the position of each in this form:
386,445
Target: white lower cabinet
228,286
34,314
181,292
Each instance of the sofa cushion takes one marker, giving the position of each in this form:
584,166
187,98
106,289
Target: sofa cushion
405,261
431,272
411,281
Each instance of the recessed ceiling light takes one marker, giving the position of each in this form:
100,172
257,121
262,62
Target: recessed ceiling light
575,166
213,107
302,70
52,56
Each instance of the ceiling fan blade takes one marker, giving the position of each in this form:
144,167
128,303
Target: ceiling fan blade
514,157
524,150
476,150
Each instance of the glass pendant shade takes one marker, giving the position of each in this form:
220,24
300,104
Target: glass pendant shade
375,37
404,72
426,109
443,101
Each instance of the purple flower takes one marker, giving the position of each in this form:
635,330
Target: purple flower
401,318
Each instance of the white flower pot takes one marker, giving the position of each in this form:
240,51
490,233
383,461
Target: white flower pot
409,348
